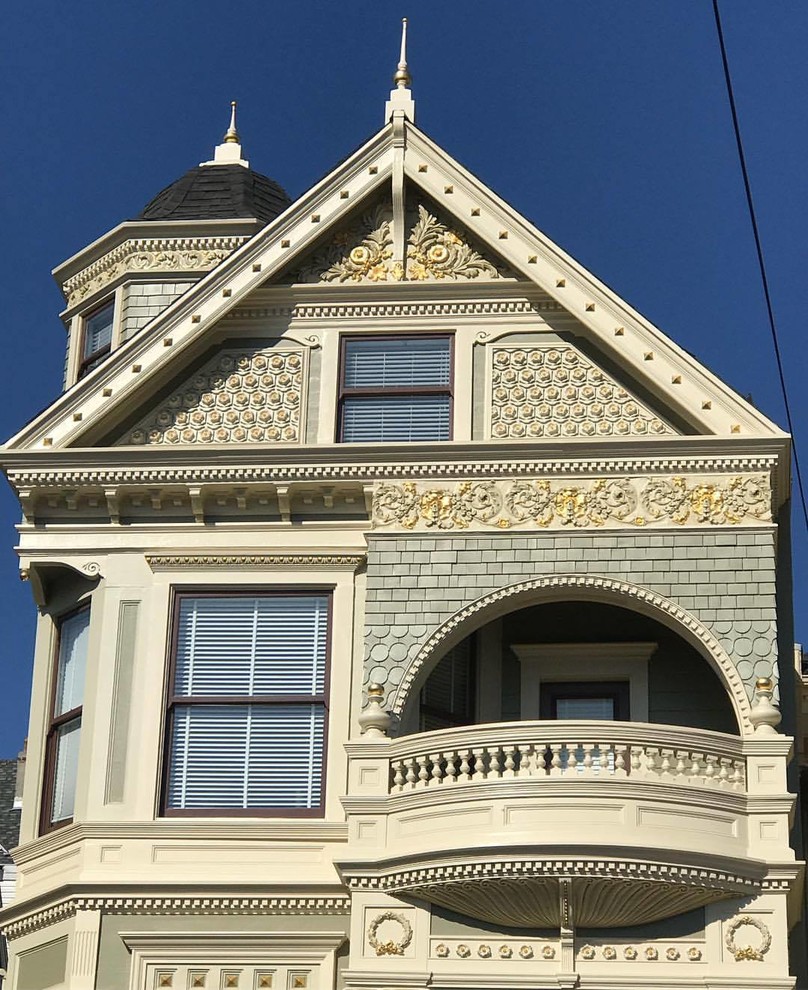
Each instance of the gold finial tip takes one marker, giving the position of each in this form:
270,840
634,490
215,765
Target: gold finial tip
231,135
375,690
763,684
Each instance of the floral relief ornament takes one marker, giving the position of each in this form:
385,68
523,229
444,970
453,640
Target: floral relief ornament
389,947
543,503
437,252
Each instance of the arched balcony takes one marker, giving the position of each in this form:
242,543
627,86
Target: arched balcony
583,741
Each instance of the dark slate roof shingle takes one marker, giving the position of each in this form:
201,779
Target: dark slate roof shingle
218,192
9,816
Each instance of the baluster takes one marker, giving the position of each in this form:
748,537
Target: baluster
479,764
437,770
695,765
636,756
494,764
465,766
738,776
533,760
510,763
450,773
412,776
723,773
398,775
555,759
709,770
665,769
606,751
681,765
423,773
572,759
620,760
651,754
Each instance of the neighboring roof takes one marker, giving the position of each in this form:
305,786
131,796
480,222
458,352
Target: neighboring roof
218,192
9,815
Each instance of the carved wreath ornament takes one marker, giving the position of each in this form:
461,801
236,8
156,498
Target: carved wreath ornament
637,502
741,952
390,947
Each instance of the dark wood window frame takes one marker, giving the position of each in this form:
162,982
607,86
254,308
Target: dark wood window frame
89,361
172,701
344,392
554,691
55,724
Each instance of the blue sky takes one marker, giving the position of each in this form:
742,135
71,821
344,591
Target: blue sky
604,122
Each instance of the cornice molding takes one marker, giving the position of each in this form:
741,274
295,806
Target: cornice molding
158,255
338,463
295,561
190,904
392,310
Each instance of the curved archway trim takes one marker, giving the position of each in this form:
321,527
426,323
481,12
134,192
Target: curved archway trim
591,588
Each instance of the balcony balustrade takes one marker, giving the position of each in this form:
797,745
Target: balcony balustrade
646,820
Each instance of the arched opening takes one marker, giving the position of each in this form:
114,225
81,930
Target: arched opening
562,659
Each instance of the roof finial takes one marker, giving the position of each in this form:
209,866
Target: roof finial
401,100
231,135
402,78
229,151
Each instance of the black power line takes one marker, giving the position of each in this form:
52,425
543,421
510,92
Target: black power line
761,263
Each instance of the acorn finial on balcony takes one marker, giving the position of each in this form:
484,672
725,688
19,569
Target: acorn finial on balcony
374,720
765,716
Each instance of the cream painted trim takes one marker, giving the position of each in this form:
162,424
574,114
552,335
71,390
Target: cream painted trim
287,949
585,588
545,663
642,348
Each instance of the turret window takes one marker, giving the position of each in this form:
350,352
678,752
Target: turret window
62,746
396,389
247,705
97,337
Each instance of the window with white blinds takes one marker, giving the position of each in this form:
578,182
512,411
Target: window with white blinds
396,389
64,732
98,327
247,714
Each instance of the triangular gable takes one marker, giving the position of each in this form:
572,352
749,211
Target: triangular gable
629,340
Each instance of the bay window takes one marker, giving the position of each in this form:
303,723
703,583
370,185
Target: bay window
396,389
246,714
64,730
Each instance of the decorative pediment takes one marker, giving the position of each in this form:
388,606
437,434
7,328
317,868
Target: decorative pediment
245,395
364,252
557,392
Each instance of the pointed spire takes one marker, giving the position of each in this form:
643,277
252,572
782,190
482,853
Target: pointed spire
231,135
401,98
402,78
229,151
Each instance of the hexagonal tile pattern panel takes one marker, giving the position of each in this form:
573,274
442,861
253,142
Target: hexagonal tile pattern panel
555,391
239,396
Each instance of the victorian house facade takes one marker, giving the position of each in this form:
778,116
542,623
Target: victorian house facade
411,610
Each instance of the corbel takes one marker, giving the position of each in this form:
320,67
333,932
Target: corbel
113,505
156,499
367,491
240,495
71,497
328,497
197,503
28,504
282,493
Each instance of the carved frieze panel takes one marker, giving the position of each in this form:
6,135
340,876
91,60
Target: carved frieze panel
549,504
239,396
556,392
363,252
199,254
